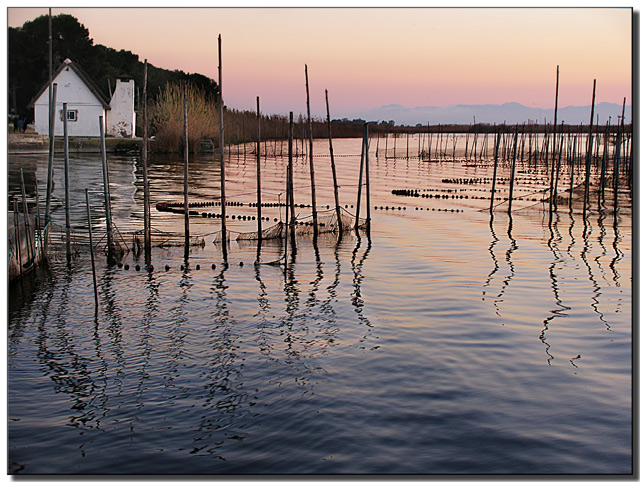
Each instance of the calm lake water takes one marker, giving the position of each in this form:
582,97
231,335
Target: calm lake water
447,342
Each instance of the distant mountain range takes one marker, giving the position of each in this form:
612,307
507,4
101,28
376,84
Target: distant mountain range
509,113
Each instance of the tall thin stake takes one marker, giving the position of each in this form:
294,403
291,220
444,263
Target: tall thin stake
107,194
513,171
495,171
145,175
258,181
360,182
93,262
52,124
366,142
16,235
333,166
67,219
311,170
589,148
291,202
27,223
223,197
186,173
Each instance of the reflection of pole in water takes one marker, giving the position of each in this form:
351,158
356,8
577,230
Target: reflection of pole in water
496,266
554,239
356,298
584,255
512,247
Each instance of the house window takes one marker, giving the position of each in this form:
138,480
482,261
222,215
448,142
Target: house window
72,115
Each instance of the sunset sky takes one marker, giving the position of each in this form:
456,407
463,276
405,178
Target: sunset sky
369,57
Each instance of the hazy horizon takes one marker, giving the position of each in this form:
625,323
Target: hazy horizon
372,57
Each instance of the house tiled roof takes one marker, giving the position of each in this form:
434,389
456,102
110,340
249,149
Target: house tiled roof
83,76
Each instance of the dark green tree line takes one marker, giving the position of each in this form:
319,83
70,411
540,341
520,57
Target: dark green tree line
28,62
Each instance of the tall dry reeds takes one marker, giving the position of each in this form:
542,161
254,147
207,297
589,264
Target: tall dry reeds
167,118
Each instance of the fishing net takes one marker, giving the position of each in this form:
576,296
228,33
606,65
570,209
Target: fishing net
327,224
274,232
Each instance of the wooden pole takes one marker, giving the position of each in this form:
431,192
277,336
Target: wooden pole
395,141
145,174
258,178
93,263
616,161
573,164
513,171
16,235
291,202
223,197
386,144
107,194
366,143
589,148
67,223
27,223
555,118
313,178
360,182
333,166
554,197
495,171
407,146
52,124
186,173
604,162
37,223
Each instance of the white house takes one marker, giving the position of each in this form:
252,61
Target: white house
85,105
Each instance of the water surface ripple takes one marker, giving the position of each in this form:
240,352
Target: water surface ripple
447,342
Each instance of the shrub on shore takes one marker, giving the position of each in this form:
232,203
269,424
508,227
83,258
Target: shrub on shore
166,116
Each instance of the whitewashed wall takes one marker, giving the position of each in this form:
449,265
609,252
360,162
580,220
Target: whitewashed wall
121,119
73,91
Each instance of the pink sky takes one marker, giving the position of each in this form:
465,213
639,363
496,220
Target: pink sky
368,57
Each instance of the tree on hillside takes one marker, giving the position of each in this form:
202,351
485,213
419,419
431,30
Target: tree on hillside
28,62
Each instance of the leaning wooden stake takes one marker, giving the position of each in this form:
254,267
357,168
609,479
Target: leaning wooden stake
333,166
360,182
589,148
107,194
314,211
223,197
186,174
366,142
258,180
93,262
